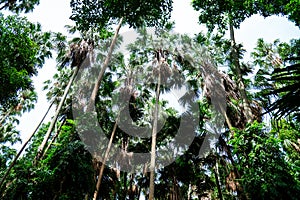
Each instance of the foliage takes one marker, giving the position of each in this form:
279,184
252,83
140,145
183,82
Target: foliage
224,11
8,136
18,6
247,161
23,50
265,171
57,176
278,76
221,10
98,14
289,133
288,92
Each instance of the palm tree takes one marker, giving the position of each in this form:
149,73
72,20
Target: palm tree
125,92
239,75
104,67
78,53
161,66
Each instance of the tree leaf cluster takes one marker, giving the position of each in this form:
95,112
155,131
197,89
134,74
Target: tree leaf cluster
224,11
98,14
18,6
24,48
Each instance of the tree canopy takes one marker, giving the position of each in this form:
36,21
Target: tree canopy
136,13
24,48
219,12
18,6
175,116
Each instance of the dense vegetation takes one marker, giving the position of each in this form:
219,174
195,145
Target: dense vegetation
115,135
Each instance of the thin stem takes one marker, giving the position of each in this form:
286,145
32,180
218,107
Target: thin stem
105,159
154,132
103,69
240,83
23,147
56,135
216,171
53,122
93,99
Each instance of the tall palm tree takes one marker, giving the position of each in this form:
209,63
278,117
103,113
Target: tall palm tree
239,75
125,92
78,53
104,67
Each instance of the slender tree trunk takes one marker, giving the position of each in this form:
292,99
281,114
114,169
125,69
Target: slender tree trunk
23,147
240,82
131,194
245,101
104,160
227,120
53,122
92,103
53,139
154,132
216,171
103,69
93,99
189,191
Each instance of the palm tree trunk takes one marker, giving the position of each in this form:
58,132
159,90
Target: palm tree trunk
227,120
189,192
103,69
53,139
216,171
154,132
92,102
23,147
53,122
240,82
104,160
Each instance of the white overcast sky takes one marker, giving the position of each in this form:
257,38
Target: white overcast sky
54,15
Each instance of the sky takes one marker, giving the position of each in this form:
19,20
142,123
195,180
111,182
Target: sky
54,15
